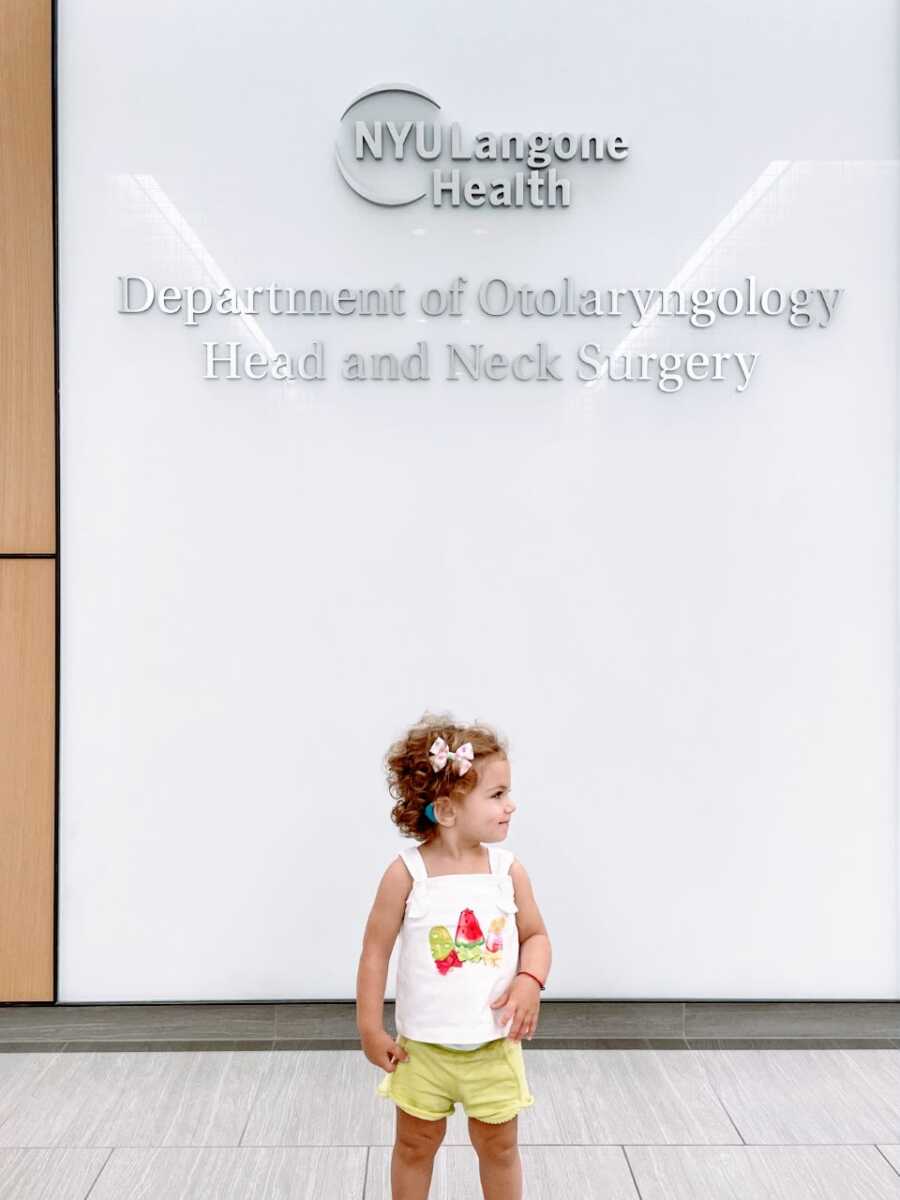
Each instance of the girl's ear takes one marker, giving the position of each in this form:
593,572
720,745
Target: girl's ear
443,810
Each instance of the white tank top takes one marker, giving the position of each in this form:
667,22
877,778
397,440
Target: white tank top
459,950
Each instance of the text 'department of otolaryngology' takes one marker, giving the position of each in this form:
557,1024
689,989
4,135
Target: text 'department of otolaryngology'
624,314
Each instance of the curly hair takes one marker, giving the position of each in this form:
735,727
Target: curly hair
413,782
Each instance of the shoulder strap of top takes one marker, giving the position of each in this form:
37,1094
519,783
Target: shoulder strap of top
415,863
501,860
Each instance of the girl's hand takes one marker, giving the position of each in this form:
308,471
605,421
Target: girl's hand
381,1049
523,998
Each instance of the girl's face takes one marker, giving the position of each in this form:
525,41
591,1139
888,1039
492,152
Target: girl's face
485,813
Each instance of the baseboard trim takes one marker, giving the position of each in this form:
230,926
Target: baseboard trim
564,1024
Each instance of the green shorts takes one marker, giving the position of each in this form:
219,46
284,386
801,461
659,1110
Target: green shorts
489,1082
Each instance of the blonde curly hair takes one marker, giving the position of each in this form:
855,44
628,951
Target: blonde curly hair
413,782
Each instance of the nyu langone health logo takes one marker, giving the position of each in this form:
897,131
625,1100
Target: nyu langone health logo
392,148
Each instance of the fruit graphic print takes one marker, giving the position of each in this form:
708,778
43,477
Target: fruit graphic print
493,943
469,946
442,949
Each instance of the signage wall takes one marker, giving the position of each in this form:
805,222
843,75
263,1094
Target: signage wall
533,365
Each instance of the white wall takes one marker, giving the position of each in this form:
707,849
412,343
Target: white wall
680,608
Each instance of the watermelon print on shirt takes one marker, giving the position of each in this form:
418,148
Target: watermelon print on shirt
469,946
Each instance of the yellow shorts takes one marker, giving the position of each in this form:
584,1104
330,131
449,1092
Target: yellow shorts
489,1082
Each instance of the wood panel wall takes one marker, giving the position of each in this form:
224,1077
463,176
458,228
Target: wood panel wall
28,504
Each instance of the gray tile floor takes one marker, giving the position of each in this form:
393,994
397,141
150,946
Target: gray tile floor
771,1122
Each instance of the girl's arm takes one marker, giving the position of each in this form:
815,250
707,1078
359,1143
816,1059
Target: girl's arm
522,999
382,928
534,941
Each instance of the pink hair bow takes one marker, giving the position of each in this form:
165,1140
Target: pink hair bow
440,752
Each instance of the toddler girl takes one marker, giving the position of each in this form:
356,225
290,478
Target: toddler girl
474,956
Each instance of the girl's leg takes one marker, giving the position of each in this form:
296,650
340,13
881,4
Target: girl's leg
415,1146
499,1164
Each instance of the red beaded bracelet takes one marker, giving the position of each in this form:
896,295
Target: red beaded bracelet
534,977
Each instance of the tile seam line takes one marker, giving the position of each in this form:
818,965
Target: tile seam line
631,1172
467,1145
707,1075
103,1167
896,1170
262,1073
